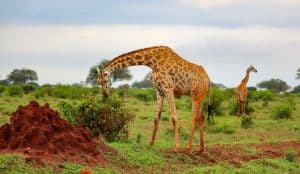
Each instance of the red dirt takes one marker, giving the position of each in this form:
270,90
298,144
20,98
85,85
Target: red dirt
40,134
240,153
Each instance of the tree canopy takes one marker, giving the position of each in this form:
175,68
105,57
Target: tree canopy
275,85
145,83
19,76
118,75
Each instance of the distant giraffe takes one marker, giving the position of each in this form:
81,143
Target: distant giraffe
241,92
171,75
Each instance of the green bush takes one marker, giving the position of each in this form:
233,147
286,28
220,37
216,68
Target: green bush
264,95
290,155
246,121
15,91
233,107
27,88
229,92
282,110
107,116
2,89
216,98
145,95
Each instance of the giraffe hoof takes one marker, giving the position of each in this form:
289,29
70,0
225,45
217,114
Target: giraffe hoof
175,150
201,150
187,148
151,143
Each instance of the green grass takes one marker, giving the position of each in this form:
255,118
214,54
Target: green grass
141,158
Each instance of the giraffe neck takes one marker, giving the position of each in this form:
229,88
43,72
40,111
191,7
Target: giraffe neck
246,78
147,57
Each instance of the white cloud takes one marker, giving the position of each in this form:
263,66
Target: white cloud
65,53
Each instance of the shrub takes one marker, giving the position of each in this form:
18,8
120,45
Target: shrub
246,121
216,98
233,107
145,95
69,92
15,90
282,110
265,96
229,92
27,88
290,155
2,89
103,116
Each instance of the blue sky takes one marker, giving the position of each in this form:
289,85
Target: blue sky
62,39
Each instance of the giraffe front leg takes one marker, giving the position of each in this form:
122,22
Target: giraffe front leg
196,107
159,104
171,102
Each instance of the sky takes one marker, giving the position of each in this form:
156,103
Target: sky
62,39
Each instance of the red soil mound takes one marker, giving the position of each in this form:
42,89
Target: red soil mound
40,133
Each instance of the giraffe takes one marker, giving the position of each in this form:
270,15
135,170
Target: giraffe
241,91
171,75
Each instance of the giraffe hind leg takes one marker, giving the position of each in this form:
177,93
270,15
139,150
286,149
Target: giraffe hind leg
159,104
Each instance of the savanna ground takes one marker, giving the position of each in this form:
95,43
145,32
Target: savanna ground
265,147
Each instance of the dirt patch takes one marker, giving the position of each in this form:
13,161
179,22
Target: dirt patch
39,133
236,154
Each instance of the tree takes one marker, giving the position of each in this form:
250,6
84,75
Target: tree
19,76
146,83
296,89
298,74
118,75
275,85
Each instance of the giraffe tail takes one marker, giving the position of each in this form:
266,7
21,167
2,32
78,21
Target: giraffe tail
209,105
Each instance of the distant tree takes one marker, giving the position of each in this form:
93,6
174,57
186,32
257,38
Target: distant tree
145,83
19,76
118,75
4,82
296,89
275,85
298,74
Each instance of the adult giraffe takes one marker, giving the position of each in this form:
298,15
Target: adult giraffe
171,75
241,91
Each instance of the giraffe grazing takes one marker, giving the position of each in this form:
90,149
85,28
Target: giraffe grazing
171,75
241,92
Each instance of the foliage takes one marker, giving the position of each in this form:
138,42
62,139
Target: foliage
4,82
233,107
246,121
64,91
290,155
2,89
145,83
15,90
282,110
118,75
27,88
103,116
19,76
148,94
275,85
298,74
229,92
296,89
216,98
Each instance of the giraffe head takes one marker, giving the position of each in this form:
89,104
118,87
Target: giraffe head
104,80
252,69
